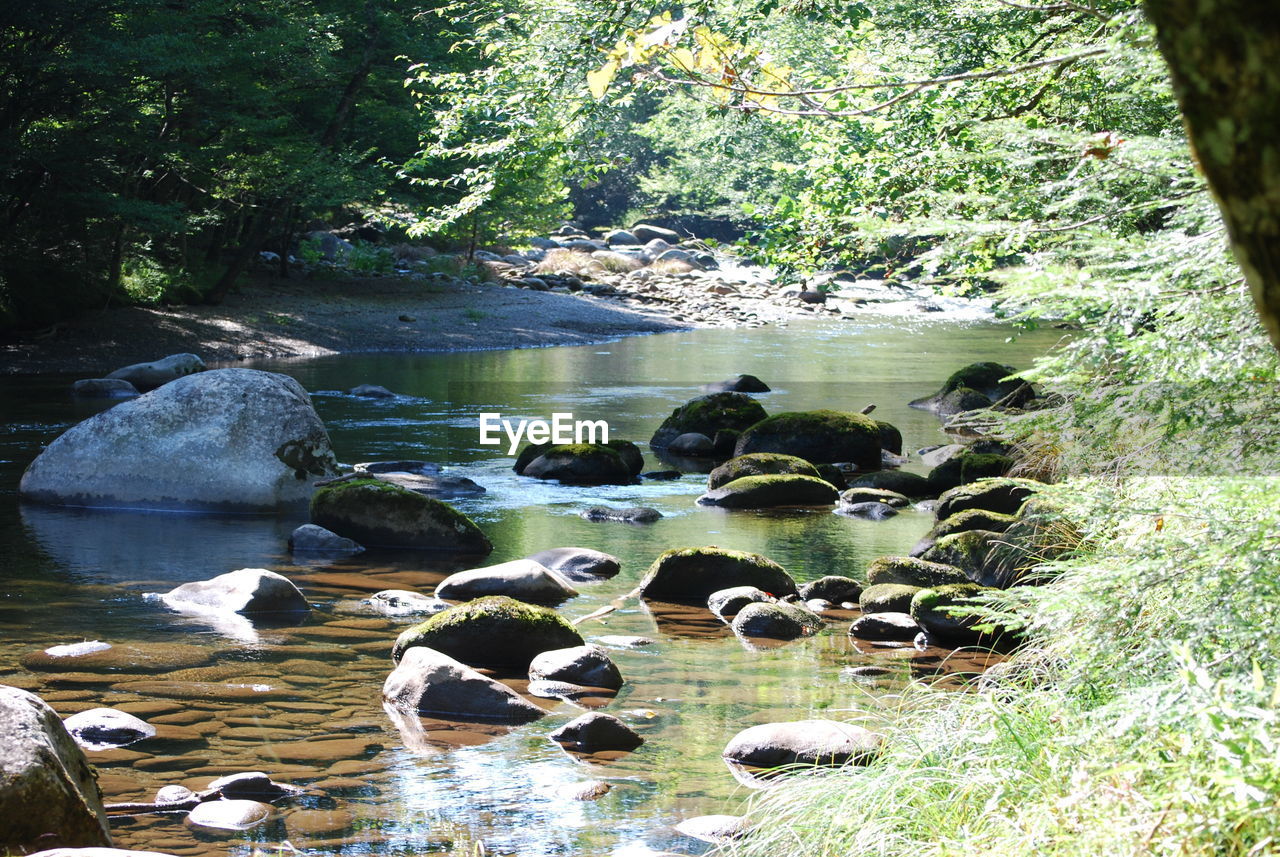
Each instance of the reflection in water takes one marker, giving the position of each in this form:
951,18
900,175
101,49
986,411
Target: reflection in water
415,785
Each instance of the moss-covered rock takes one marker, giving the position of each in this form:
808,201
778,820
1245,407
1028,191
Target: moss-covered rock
969,467
875,495
708,415
833,587
528,453
985,379
765,492
970,519
725,442
937,611
993,495
912,571
691,575
492,631
629,453
911,485
379,514
960,400
582,464
821,437
778,620
887,598
976,552
832,474
890,437
758,464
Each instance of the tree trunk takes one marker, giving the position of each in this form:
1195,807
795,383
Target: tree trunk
1224,59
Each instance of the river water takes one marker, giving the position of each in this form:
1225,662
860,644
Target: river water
302,703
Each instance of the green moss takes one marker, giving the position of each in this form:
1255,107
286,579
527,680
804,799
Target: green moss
374,512
887,598
495,629
993,495
708,415
972,519
984,377
975,466
758,464
912,571
820,437
772,489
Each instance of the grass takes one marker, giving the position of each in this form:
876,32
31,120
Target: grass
475,314
1142,718
565,261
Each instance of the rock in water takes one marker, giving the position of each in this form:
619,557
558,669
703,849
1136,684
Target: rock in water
766,492
630,515
596,731
522,579
588,666
48,793
378,513
230,814
248,590
230,440
430,682
103,388
149,376
802,742
692,574
709,414
491,631
309,538
819,437
578,565
759,464
99,728
777,621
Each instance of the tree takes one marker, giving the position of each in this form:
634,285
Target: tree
1224,59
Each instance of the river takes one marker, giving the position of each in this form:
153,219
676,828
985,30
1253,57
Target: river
74,575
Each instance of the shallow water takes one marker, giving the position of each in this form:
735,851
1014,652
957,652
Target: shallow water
303,702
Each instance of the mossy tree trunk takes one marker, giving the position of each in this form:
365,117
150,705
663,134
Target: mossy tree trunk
1224,58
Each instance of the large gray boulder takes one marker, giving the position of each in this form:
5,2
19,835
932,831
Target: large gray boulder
149,376
522,579
247,590
230,440
646,232
48,792
431,682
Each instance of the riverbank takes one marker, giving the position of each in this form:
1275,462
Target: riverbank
273,318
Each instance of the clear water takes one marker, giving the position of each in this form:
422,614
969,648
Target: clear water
315,717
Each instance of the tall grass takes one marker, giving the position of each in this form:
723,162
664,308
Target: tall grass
1140,719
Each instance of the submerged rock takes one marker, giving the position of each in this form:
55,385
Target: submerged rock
691,575
99,728
149,376
630,515
716,829
491,631
48,792
430,682
371,391
765,492
230,440
522,579
873,511
403,602
433,485
247,590
822,436
230,814
709,414
373,512
596,731
103,388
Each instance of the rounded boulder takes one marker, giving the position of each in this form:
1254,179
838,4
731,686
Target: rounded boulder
496,630
691,575
820,437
